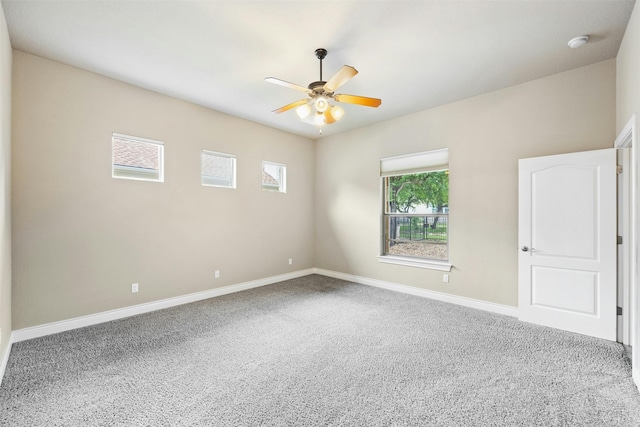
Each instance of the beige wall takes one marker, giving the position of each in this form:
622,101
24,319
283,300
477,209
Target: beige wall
628,72
5,186
486,135
82,238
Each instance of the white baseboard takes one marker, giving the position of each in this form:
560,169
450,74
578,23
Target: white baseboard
439,296
120,313
5,358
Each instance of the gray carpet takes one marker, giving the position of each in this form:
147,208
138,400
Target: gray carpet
317,351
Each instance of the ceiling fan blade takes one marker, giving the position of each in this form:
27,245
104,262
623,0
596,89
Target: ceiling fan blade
290,106
360,100
287,84
340,78
328,118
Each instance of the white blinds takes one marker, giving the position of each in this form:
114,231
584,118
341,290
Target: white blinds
418,162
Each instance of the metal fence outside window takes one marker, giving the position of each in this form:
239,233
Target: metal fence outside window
417,235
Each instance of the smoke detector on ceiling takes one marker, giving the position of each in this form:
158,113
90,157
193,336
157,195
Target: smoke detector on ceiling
578,41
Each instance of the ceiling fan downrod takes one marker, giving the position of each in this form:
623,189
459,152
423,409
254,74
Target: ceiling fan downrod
321,54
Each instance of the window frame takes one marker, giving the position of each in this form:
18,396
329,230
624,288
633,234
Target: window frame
425,162
232,157
282,187
141,140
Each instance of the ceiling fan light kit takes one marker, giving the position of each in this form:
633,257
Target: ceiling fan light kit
321,104
337,112
320,95
303,111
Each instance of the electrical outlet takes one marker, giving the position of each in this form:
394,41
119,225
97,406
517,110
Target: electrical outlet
290,261
445,278
217,274
134,288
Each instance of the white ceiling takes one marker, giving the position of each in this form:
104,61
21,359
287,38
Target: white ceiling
414,55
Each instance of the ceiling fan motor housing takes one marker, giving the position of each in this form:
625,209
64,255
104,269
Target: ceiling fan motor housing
317,87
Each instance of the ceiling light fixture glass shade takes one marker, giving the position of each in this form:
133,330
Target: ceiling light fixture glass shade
319,119
303,111
322,104
336,112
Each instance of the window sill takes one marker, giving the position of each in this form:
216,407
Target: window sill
413,262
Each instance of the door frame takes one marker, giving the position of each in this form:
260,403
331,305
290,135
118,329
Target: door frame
627,139
623,249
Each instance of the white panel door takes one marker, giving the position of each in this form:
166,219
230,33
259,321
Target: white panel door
567,239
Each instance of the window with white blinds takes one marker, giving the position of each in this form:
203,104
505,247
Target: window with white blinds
415,209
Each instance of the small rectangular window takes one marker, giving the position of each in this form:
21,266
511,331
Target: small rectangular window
137,158
218,169
274,177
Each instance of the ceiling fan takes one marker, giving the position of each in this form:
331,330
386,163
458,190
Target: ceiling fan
320,95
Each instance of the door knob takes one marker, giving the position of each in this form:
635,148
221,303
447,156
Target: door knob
525,249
